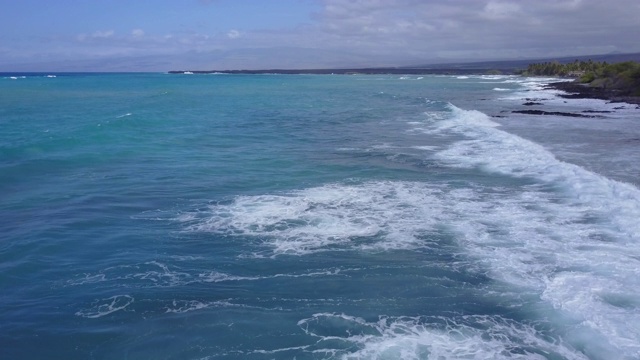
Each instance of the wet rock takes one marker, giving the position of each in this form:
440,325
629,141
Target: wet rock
554,113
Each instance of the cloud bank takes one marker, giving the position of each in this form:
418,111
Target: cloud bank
353,33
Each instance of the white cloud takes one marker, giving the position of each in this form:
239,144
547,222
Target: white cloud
480,28
96,35
103,34
381,33
570,4
498,10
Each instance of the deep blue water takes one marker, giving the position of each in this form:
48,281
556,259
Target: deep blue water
156,216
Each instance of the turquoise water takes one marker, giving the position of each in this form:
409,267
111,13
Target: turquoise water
156,216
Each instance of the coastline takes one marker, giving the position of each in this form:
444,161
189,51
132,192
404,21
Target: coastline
357,71
572,89
576,90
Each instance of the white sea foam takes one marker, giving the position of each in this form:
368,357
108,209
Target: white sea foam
499,151
215,276
464,337
571,236
376,216
580,249
497,77
425,147
536,89
410,78
149,274
526,238
500,89
183,306
107,306
157,274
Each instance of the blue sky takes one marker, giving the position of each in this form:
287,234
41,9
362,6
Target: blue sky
161,35
37,18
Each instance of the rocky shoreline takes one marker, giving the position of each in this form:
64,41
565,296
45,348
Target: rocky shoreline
576,90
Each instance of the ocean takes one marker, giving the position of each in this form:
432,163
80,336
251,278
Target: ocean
158,216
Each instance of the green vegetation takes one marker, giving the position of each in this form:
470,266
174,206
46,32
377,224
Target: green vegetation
555,68
624,77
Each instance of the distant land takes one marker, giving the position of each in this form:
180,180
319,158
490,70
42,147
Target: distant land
506,67
345,71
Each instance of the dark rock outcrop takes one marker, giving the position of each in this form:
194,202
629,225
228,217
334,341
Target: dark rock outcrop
555,113
576,90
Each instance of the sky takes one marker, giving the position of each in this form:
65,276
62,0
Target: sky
162,35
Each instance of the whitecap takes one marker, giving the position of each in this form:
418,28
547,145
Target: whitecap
578,246
425,148
568,224
461,337
520,157
331,217
183,306
106,306
566,229
154,274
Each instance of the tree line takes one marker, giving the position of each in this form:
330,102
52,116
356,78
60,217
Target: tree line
623,77
555,68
